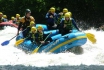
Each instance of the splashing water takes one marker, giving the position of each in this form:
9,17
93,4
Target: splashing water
92,53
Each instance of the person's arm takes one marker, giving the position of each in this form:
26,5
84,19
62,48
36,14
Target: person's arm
32,18
29,37
74,23
47,15
61,24
56,17
19,26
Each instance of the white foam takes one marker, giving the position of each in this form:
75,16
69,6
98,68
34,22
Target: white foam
93,53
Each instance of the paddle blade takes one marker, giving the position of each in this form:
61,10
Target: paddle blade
35,50
19,42
91,37
5,43
90,34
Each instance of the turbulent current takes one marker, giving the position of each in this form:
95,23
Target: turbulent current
91,56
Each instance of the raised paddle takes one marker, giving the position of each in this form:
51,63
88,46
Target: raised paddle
36,49
7,41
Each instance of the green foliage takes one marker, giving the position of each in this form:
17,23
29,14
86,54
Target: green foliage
87,10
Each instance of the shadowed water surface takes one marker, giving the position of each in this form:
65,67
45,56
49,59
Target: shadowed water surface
80,67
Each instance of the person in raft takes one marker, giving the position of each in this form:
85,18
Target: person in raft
67,24
28,29
17,19
40,36
32,35
25,22
61,15
51,18
5,18
1,17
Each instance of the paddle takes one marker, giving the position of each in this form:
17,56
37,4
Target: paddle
19,42
36,50
91,37
7,41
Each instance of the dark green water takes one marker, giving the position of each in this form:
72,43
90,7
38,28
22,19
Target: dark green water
81,67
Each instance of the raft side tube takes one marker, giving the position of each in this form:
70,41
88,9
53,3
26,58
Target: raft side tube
73,35
8,24
64,40
54,32
75,43
56,37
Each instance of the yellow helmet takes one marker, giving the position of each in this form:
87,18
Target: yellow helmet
65,10
40,28
32,22
33,29
12,18
17,15
1,13
67,15
52,9
4,16
70,13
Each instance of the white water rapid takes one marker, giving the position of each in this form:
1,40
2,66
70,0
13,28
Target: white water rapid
93,54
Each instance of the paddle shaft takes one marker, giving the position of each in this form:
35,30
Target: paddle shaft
17,35
13,37
44,40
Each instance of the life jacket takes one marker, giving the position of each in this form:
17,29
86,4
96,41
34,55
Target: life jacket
26,21
68,24
59,19
17,20
33,36
40,36
1,19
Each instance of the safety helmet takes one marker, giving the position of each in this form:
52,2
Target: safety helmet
70,13
52,9
65,10
4,16
1,13
32,22
28,11
39,28
17,15
12,18
67,15
33,29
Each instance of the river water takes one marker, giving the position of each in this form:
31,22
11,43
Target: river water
90,57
